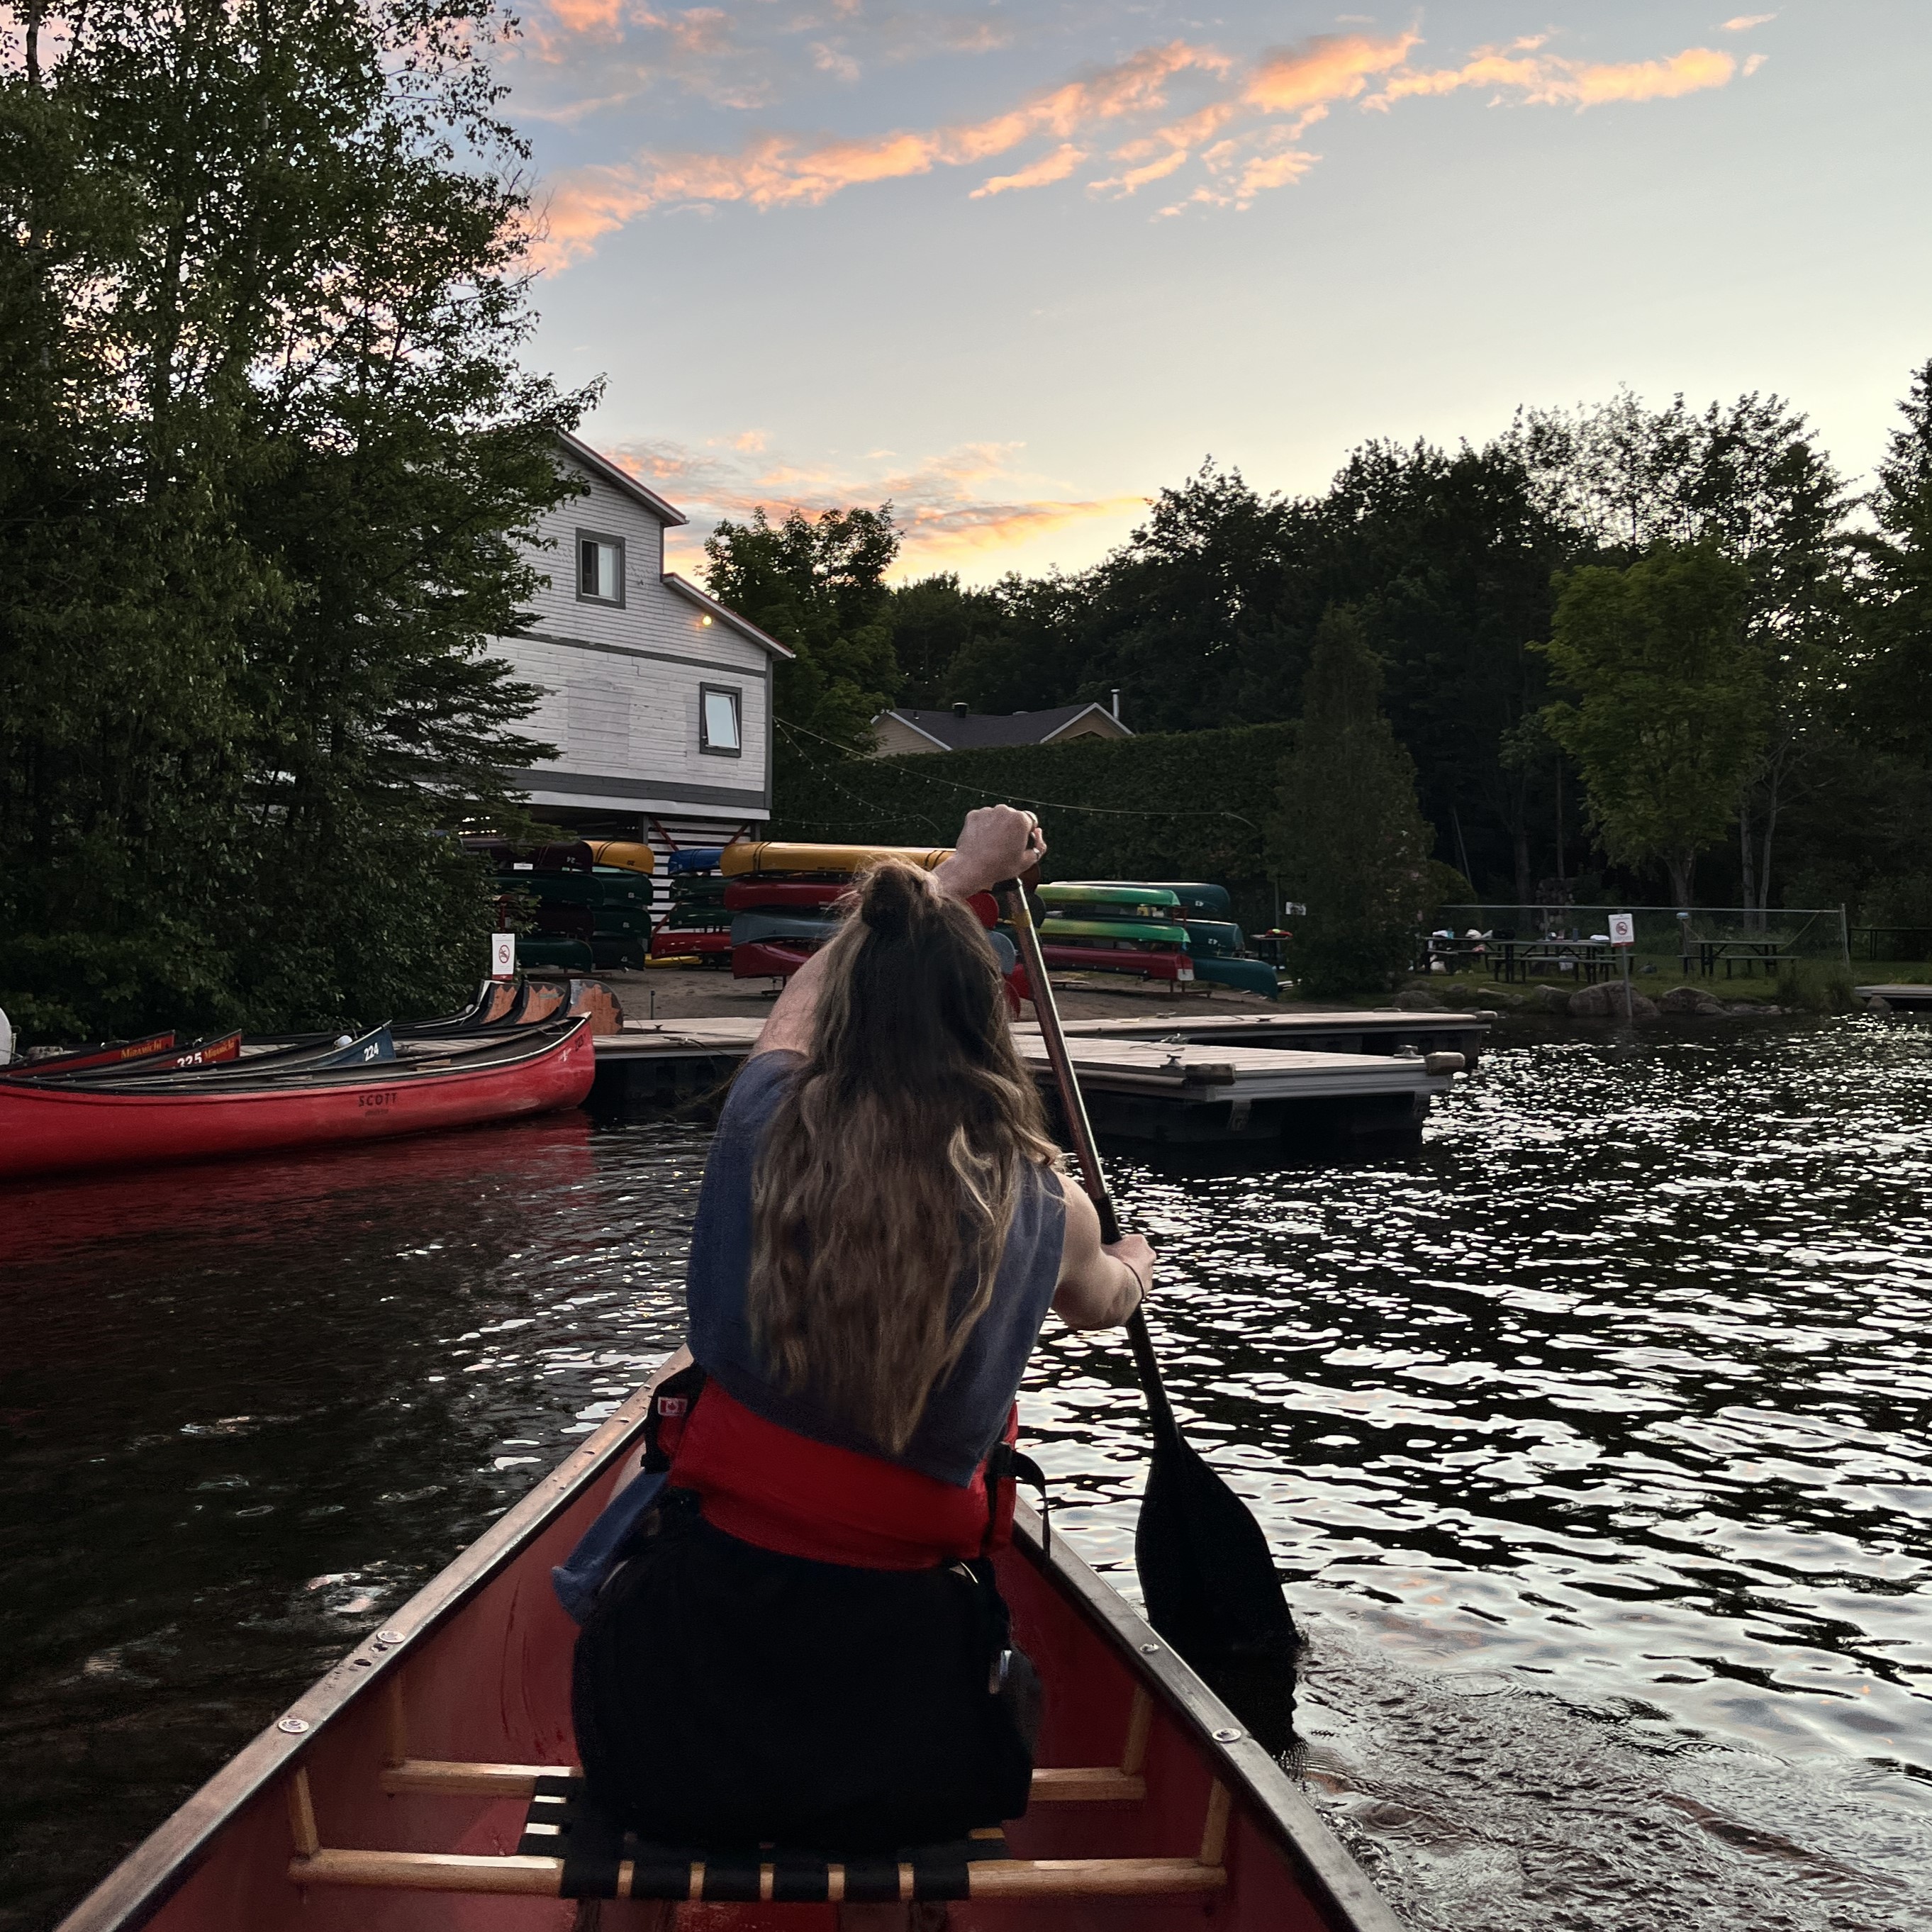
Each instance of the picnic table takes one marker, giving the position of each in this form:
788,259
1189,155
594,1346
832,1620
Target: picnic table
1590,959
1747,954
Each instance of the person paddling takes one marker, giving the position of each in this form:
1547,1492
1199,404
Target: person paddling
804,1647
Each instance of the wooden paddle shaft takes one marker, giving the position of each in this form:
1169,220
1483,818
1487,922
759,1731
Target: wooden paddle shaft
1073,1105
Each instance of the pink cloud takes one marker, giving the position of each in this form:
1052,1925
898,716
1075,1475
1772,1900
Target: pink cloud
964,505
1548,80
1049,168
1302,83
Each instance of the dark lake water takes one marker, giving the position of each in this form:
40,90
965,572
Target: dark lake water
1594,1438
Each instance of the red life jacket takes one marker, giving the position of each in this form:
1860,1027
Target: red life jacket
781,1491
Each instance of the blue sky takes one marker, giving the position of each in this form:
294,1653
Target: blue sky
1018,266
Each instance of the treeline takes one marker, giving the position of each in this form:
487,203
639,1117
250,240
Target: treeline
264,445
1650,651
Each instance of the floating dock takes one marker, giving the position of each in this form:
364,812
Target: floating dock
1384,1030
1908,999
1241,1079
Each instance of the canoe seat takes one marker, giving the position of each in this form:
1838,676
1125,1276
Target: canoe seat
569,1849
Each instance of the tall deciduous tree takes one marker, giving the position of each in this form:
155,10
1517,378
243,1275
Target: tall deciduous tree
1349,841
1671,700
1748,478
818,585
265,450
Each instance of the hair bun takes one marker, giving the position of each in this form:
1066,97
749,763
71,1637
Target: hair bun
891,897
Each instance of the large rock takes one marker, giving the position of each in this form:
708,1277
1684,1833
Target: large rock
1550,999
1691,1000
1606,1002
1416,1000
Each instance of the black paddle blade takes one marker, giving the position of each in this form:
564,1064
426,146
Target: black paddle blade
1206,1571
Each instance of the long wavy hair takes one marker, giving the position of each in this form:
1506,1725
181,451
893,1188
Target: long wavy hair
886,1184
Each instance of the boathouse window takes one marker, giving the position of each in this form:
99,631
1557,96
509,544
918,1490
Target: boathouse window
600,568
719,721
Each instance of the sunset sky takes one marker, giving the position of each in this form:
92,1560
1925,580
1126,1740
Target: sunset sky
1016,266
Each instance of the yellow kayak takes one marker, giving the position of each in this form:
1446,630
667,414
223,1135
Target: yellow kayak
633,855
775,855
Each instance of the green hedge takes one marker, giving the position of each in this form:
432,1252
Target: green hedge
1188,805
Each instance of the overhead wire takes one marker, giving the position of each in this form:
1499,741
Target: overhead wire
793,731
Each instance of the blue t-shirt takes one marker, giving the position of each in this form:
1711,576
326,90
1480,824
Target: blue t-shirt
964,1415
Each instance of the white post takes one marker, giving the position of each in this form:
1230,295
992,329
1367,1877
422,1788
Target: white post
1623,937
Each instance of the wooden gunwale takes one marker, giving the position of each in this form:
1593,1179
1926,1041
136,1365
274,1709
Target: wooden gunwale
142,1884
244,1082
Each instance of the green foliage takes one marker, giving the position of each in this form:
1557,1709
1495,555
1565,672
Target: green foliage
1818,986
265,448
935,623
1168,805
1671,700
818,586
1892,693
1349,842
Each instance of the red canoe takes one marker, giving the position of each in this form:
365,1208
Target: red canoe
1110,959
402,1793
76,1124
84,1059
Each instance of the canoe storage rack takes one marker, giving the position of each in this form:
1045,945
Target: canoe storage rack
569,1850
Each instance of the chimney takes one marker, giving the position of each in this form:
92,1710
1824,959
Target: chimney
959,707
1116,704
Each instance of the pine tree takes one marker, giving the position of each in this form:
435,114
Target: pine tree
1350,843
1893,691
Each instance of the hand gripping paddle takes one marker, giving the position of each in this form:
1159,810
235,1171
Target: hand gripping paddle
1206,1572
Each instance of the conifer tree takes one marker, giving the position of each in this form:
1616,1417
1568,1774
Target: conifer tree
1350,843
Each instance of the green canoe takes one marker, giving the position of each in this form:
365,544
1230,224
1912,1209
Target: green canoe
1215,939
1248,975
1142,931
1108,901
1194,896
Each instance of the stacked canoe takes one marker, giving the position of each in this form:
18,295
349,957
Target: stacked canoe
696,930
785,900
1174,930
593,901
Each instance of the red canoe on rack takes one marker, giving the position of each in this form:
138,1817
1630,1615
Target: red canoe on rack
76,1123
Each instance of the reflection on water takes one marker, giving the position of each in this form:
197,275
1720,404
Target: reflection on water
1592,1439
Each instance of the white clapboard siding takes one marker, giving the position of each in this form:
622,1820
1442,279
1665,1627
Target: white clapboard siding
622,686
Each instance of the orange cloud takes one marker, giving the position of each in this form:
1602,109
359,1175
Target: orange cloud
1301,82
1742,23
1331,67
1546,80
1053,167
966,504
588,17
776,170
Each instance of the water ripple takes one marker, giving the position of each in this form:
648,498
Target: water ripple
1592,1440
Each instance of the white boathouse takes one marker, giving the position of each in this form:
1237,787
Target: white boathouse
658,698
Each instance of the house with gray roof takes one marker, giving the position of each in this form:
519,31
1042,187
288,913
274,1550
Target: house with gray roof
957,729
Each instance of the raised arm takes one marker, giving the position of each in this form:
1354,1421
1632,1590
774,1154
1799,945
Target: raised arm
996,842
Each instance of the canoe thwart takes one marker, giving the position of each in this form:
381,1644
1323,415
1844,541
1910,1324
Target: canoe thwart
1101,1784
880,1881
562,1823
